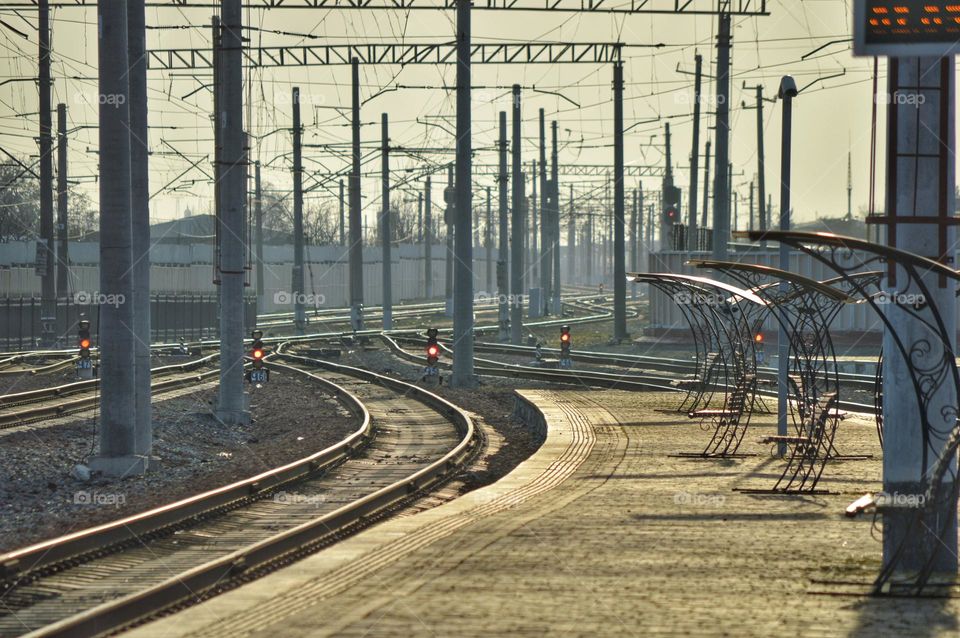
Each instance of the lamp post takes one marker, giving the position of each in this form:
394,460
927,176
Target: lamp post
788,91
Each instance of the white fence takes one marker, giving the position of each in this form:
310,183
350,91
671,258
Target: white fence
187,268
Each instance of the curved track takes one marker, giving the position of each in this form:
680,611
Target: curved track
114,575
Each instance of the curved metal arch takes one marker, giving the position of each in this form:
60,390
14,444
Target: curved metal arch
737,322
706,340
926,381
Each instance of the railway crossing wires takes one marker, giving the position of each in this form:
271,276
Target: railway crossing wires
85,364
258,375
566,362
431,373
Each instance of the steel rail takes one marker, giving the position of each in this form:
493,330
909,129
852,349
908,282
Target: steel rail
18,564
187,585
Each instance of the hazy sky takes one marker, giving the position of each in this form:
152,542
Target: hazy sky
830,117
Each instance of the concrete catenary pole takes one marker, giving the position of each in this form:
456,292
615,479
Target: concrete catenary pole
463,290
545,261
488,241
555,221
297,283
619,258
231,408
666,196
386,230
588,244
706,189
63,257
571,239
694,157
634,244
503,244
140,219
449,198
419,218
518,230
721,198
117,455
355,250
48,303
532,255
761,165
921,174
258,237
643,245
343,221
428,240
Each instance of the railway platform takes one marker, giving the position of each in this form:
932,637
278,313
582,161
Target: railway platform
605,530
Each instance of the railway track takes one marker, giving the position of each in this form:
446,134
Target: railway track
566,377
102,579
641,380
24,408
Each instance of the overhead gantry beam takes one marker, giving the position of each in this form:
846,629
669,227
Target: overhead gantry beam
401,54
684,7
584,170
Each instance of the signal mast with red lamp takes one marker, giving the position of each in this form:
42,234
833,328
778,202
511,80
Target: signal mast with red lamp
84,364
259,374
431,371
758,347
565,343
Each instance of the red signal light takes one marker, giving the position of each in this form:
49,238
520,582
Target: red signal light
565,337
433,351
759,337
258,354
84,343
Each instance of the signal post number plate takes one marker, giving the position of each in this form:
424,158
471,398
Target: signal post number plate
84,364
906,28
259,376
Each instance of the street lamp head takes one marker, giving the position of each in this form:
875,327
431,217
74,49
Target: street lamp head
788,87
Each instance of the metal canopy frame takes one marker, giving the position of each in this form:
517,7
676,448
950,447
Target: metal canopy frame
808,309
931,360
715,306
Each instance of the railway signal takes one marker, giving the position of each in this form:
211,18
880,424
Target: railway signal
758,347
84,365
565,343
433,355
259,374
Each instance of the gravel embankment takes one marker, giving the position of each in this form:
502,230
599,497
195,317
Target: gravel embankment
39,498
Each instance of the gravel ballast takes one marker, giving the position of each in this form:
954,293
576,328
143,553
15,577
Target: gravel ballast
40,498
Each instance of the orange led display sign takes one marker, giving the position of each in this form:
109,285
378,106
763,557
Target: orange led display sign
904,28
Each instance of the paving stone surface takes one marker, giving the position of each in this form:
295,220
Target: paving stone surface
603,531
